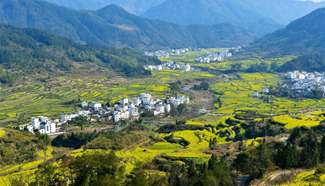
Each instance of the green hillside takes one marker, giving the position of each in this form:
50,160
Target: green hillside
113,26
27,52
302,36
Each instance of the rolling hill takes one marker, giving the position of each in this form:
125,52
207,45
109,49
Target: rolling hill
113,26
29,52
302,36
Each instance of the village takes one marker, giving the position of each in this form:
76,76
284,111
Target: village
170,66
303,84
215,57
125,110
168,53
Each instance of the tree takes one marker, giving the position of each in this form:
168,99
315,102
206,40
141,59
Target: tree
44,142
140,177
98,169
137,178
242,163
213,144
192,169
310,152
181,109
218,173
260,160
322,150
80,121
295,135
53,175
235,67
204,85
288,156
175,87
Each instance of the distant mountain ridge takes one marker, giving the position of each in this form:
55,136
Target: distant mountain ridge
283,11
132,6
112,26
303,36
212,12
261,16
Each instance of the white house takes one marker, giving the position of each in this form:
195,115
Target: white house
124,101
36,123
159,109
43,124
145,98
96,106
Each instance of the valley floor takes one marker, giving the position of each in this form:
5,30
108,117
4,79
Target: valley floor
227,104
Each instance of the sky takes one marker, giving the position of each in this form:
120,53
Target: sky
315,0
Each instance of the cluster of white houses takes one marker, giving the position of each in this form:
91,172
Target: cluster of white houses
214,57
170,66
304,84
125,109
168,53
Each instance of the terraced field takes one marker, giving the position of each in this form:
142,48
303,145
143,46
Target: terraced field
235,93
50,98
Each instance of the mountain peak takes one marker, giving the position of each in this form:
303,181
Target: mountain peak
113,9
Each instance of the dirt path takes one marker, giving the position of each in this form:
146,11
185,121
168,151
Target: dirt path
276,177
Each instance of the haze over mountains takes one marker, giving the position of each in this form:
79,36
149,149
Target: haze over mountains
132,6
303,36
112,26
260,16
212,12
200,23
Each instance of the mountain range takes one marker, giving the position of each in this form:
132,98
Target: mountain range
132,6
260,16
303,36
113,26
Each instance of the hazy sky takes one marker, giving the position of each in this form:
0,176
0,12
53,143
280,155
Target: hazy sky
316,0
